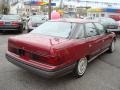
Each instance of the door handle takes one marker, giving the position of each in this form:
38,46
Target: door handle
90,45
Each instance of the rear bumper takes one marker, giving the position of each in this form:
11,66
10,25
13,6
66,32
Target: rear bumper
115,30
41,72
9,28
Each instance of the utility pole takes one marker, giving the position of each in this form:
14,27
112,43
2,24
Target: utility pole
30,7
49,10
42,6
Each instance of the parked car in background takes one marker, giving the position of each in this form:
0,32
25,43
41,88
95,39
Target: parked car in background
35,21
115,17
59,47
11,23
109,23
118,22
1,16
69,15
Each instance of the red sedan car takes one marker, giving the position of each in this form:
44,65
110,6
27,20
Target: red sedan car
59,47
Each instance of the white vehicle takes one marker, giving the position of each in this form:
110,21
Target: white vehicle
35,21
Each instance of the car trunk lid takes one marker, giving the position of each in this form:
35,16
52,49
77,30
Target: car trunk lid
33,47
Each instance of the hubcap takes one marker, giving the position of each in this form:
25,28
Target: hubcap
82,64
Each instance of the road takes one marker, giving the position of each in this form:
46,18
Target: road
102,74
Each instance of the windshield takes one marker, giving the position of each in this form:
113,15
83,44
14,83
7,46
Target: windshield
107,20
59,29
10,17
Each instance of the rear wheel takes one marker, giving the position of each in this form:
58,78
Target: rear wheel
80,67
29,30
20,30
112,47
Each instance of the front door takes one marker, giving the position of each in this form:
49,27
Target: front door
93,40
105,38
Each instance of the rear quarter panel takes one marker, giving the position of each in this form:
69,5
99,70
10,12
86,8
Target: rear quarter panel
72,50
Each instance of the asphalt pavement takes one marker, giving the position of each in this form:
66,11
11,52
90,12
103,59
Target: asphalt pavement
102,74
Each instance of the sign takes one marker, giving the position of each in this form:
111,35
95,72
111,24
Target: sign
38,3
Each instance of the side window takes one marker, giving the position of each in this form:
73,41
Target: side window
100,28
90,30
80,32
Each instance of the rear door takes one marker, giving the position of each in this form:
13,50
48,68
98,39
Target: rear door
79,38
93,40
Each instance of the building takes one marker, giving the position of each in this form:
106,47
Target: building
93,3
13,2
17,7
104,12
76,5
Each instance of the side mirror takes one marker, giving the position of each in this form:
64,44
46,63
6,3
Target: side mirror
107,30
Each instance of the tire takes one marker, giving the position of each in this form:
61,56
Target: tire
80,67
20,30
112,47
29,30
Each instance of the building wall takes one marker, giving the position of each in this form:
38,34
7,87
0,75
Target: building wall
12,2
99,14
1,1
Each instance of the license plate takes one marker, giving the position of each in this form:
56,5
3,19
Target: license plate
7,23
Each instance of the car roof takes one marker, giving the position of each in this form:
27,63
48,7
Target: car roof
37,15
73,20
11,15
104,18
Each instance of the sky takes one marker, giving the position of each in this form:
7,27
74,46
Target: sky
110,1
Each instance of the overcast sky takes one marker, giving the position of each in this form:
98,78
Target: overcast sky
111,1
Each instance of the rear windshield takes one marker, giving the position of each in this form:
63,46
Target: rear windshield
36,18
59,29
10,17
108,20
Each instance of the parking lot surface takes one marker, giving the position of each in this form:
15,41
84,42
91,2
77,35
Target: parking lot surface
102,74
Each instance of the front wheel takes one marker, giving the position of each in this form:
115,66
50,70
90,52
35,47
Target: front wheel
112,47
80,67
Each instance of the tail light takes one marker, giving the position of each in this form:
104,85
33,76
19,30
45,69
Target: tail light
55,59
15,23
45,59
11,47
1,23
